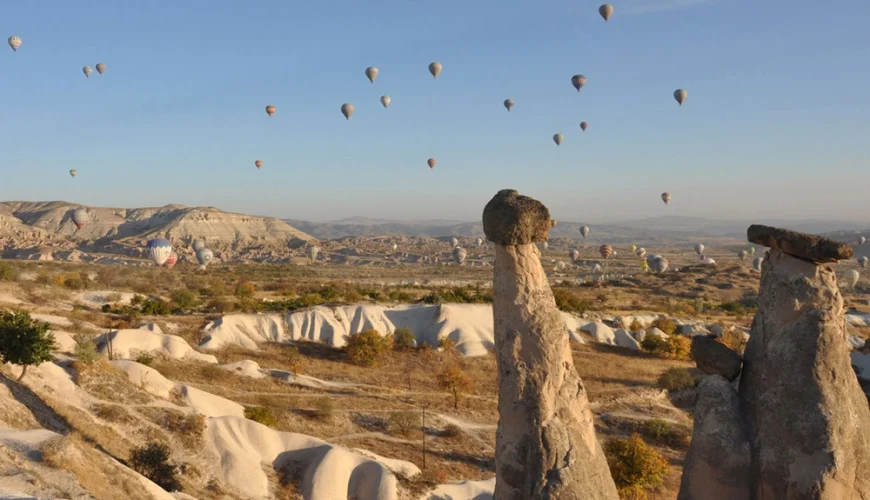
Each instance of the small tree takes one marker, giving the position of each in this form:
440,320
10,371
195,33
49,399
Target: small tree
7,272
654,343
666,325
245,290
24,341
183,299
152,461
367,348
454,380
108,275
85,349
679,347
403,339
635,467
404,422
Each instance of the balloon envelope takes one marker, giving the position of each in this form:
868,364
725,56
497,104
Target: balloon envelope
680,95
659,264
14,42
80,218
270,110
435,69
204,256
431,162
574,254
699,248
605,250
707,261
584,230
258,163
584,126
371,73
385,100
862,261
454,242
87,71
171,260
73,172
557,138
666,197
101,68
347,110
508,103
861,240
578,81
158,250
459,255
742,255
606,11
479,241
756,263
851,278
198,245
312,253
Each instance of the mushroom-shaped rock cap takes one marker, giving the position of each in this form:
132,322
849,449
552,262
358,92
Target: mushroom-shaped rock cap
800,245
512,219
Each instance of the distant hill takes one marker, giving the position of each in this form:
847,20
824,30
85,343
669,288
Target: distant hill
220,230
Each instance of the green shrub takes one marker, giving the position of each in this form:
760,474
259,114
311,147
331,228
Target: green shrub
399,296
654,343
634,466
145,358
635,326
734,339
183,299
451,431
666,325
85,349
261,414
679,347
152,461
569,302
403,423
368,347
155,307
324,409
24,341
7,272
661,432
676,379
245,289
403,339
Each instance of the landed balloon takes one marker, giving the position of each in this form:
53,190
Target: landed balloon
606,251
101,68
596,268
454,242
435,69
258,164
459,255
347,110
574,254
666,197
385,100
171,260
73,173
15,42
584,231
756,263
659,264
87,71
431,162
479,242
270,110
578,81
204,256
707,261
372,73
605,11
680,95
312,252
851,278
742,254
861,241
80,218
699,248
584,126
557,138
862,261
198,245
509,104
158,250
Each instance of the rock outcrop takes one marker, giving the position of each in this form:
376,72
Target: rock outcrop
545,444
715,358
799,404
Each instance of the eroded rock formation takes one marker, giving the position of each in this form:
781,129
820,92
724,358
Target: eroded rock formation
545,444
799,404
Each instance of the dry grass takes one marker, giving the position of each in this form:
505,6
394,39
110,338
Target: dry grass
187,427
113,413
109,383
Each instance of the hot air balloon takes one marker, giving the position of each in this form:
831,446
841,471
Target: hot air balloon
584,230
756,263
606,251
560,266
680,95
459,255
87,71
204,256
584,126
861,241
742,255
862,261
545,245
751,250
578,81
385,100
509,103
101,68
851,278
347,110
198,245
666,197
258,164
659,264
454,242
574,254
312,253
707,261
606,11
80,218
431,162
270,110
158,250
640,252
435,69
633,248
596,268
557,138
73,173
394,247
699,248
371,73
14,42
479,242
171,260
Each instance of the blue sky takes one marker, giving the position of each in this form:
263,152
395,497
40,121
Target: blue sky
775,123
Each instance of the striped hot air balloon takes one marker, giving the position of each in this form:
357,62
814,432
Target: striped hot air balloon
15,42
431,162
574,254
171,260
459,255
158,250
606,251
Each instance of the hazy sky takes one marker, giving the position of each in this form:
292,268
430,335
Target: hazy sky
776,121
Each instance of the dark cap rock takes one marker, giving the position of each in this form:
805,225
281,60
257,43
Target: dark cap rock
800,245
512,219
715,358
